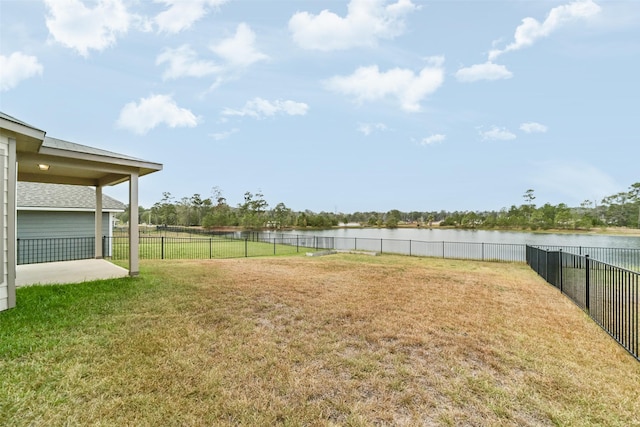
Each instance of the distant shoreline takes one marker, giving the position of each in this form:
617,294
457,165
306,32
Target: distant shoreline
607,231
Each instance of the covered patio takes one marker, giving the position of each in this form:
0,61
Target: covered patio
78,271
29,155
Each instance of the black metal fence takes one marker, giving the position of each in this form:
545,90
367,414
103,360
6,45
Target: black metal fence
219,246
436,249
34,251
609,294
628,258
205,244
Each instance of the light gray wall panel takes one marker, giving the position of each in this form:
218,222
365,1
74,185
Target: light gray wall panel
40,225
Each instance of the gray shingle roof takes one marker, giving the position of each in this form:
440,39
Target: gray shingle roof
13,119
79,148
60,197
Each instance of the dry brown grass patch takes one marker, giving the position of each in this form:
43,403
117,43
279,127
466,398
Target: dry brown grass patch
348,340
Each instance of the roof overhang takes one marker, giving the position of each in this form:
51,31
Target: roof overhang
28,138
70,166
68,163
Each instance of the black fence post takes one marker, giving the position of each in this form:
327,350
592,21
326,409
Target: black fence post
381,240
560,257
246,247
409,247
162,247
274,245
587,282
546,265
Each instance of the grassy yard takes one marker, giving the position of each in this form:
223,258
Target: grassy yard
337,340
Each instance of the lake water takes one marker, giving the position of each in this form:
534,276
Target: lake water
478,236
623,251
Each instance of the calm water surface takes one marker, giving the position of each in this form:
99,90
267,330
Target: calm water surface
479,236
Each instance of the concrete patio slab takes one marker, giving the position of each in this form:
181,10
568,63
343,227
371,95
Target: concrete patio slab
68,272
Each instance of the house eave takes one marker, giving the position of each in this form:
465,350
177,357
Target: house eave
50,209
114,163
28,138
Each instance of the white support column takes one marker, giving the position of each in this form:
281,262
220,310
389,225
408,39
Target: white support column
134,269
98,229
12,223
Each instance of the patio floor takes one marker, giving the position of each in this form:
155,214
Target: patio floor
67,272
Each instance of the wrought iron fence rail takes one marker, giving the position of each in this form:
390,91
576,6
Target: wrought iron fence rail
34,251
235,244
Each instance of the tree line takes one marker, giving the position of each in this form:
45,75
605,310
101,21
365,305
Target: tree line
618,210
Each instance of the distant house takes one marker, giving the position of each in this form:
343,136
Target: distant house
46,212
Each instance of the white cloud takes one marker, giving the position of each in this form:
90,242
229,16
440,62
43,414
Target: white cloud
150,112
533,127
259,108
486,71
433,139
235,53
367,128
497,134
409,88
219,136
366,22
17,67
183,62
181,14
239,51
78,27
531,30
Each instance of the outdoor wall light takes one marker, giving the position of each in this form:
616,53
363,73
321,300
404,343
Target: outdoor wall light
43,167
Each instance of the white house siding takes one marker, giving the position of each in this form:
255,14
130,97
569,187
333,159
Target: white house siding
4,266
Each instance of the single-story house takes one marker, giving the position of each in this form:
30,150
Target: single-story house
56,222
28,154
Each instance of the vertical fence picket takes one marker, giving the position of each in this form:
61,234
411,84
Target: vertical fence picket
587,274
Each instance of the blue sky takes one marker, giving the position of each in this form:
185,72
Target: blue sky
339,105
